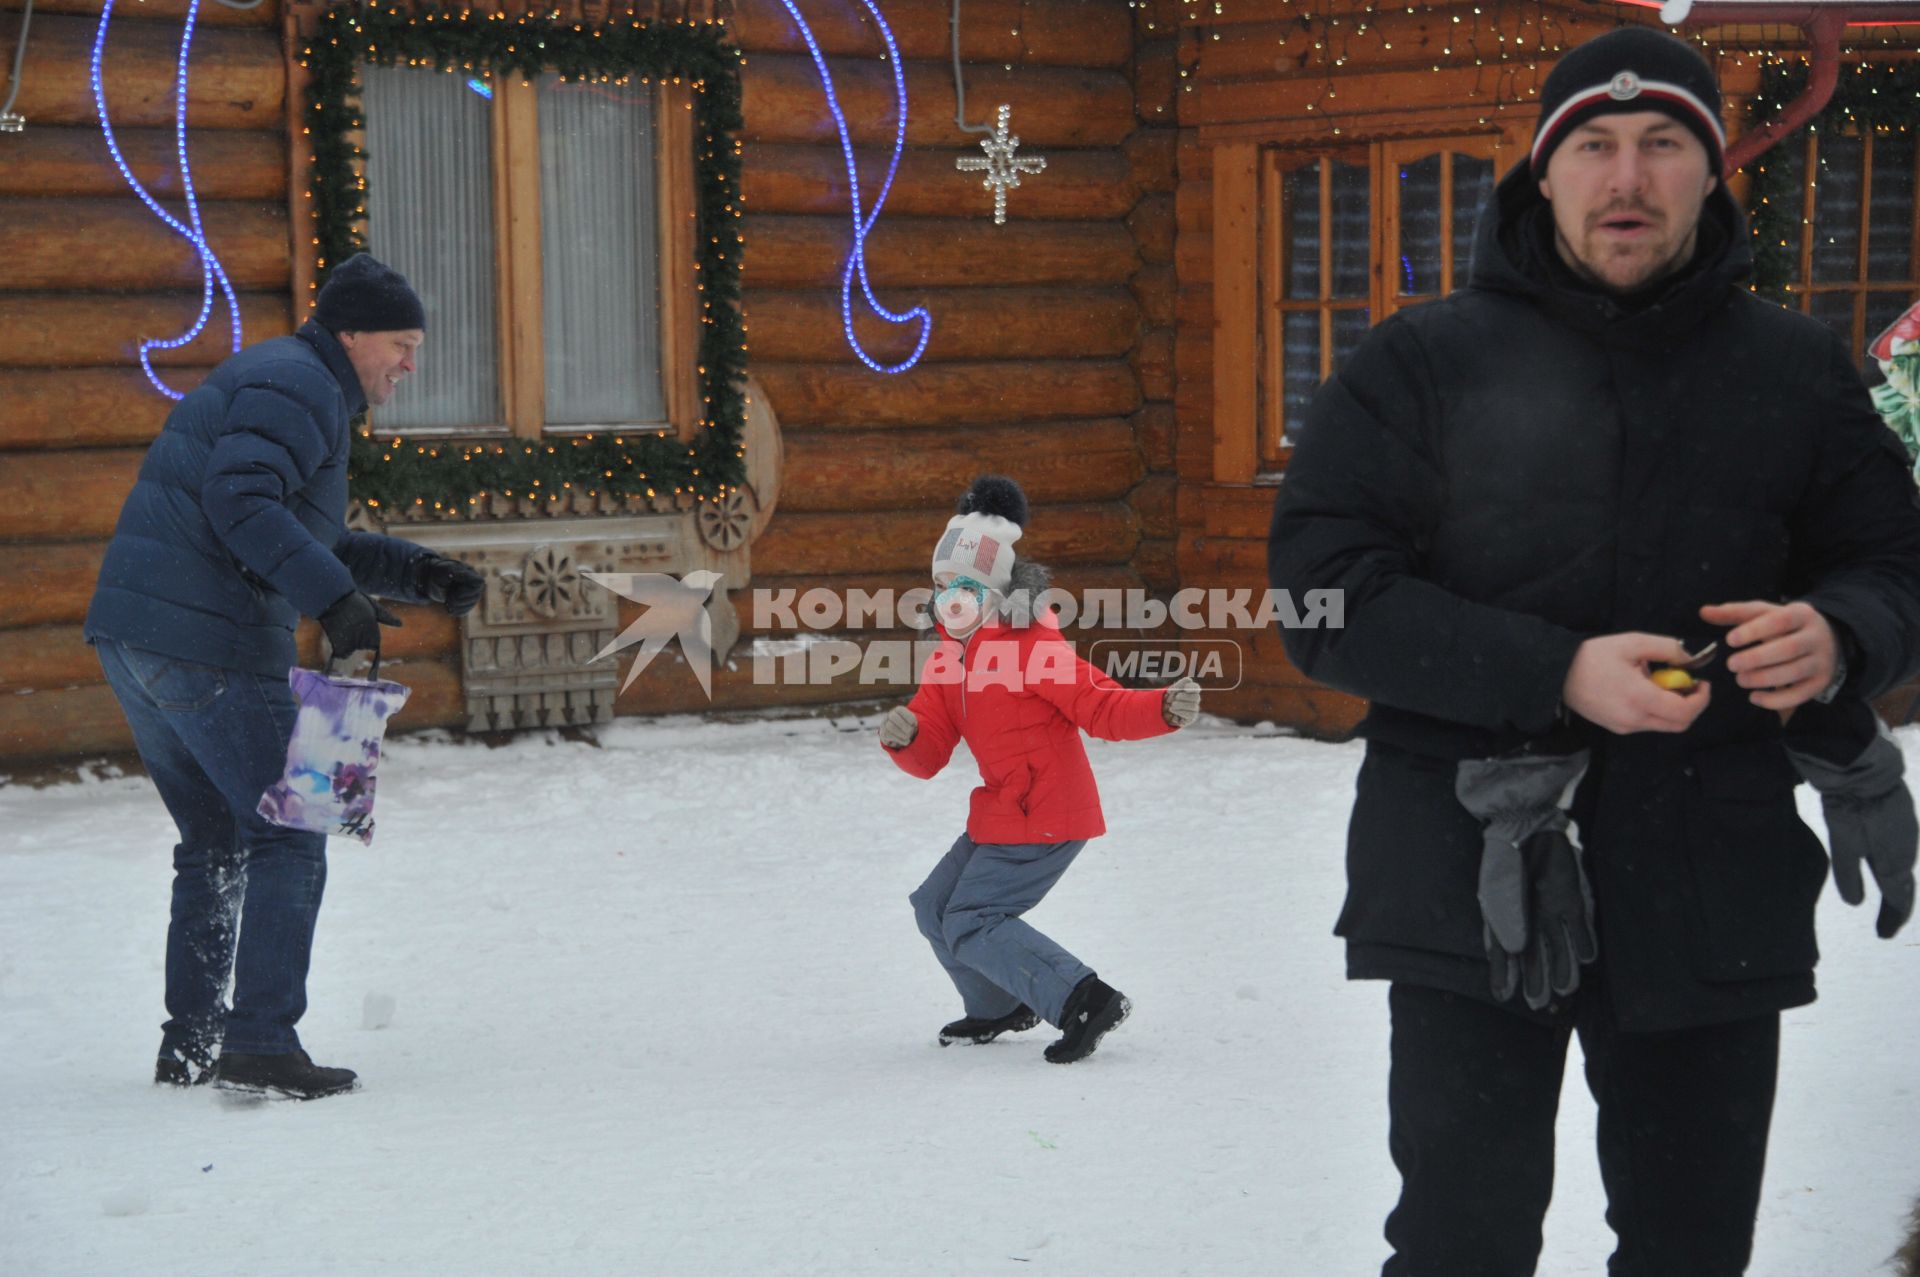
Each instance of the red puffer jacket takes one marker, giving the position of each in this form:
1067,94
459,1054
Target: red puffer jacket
1020,699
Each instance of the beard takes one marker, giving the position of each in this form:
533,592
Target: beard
1625,267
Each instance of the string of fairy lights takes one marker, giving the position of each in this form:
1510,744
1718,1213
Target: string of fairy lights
1880,97
1516,43
390,472
1520,43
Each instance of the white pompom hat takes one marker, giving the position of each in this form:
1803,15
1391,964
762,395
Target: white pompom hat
979,540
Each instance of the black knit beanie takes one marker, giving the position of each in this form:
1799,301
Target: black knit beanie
1631,69
363,296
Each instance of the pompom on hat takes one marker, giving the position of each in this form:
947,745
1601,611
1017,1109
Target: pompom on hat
364,295
1630,69
979,539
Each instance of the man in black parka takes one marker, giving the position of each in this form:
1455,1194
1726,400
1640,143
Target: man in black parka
1600,455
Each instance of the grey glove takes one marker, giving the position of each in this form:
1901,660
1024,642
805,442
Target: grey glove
1535,904
1870,817
899,728
1182,703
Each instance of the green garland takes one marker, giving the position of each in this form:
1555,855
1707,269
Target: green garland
389,472
1872,95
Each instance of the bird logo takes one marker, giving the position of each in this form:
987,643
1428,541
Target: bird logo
675,607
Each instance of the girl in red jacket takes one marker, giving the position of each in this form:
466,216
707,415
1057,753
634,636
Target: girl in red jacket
1005,681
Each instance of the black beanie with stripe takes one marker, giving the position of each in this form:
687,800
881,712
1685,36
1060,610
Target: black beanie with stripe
1631,69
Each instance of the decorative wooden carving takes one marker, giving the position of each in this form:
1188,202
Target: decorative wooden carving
528,650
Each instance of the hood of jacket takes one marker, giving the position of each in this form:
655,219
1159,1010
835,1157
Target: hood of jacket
334,355
1514,253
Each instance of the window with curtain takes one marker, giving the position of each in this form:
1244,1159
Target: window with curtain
1857,268
547,227
1347,238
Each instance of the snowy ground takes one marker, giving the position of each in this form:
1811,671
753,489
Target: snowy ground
661,1009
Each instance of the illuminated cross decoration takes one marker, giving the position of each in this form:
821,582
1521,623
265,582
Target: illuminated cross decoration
1001,167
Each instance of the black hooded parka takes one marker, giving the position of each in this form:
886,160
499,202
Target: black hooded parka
1499,475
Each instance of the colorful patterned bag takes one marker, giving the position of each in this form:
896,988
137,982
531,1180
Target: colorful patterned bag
327,787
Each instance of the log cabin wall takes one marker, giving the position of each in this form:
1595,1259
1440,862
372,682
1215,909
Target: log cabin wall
1266,77
85,273
1051,356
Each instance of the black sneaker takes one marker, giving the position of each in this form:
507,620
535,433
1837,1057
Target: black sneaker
1093,1008
183,1066
292,1076
975,1029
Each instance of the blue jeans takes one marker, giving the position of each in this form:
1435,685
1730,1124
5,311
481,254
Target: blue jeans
969,910
245,892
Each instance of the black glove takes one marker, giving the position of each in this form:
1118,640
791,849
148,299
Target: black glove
450,583
1535,904
353,625
1870,817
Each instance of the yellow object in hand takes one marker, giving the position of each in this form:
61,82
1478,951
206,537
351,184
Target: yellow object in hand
1674,680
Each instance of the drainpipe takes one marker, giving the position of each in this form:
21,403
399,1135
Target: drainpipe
1823,32
1823,24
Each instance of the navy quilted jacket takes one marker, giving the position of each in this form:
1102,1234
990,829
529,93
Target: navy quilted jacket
237,524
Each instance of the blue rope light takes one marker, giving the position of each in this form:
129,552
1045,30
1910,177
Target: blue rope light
863,225
194,234
481,87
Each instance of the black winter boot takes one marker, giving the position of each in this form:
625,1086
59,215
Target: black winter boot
293,1076
976,1029
186,1065
1093,1008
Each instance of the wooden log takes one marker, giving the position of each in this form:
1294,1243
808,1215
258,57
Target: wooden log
48,584
968,323
1031,32
1194,158
118,244
1155,289
1161,16
56,330
1194,440
1152,362
782,101
1151,159
167,12
1260,50
1312,711
810,395
1092,185
55,496
1234,511
1398,89
1267,11
1192,306
1153,501
1193,208
811,252
1154,426
237,80
827,544
84,406
228,164
1151,223
45,657
62,724
1063,462
1157,563
72,722
1156,81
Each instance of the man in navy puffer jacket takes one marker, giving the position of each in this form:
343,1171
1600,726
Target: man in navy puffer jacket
235,528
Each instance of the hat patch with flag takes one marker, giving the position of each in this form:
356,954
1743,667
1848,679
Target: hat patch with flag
979,540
